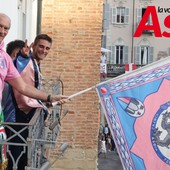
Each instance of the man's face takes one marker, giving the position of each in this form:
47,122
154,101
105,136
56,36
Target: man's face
4,27
41,49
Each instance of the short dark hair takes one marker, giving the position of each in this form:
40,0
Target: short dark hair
11,46
44,37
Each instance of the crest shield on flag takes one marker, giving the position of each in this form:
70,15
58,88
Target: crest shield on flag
137,109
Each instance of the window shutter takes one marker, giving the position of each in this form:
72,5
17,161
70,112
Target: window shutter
125,55
104,41
150,55
114,15
109,54
106,16
126,15
137,55
139,16
113,55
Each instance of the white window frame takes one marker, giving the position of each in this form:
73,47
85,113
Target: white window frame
139,17
22,19
121,12
143,57
25,18
149,19
114,59
119,54
120,15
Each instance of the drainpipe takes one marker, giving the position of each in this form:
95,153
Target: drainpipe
39,16
133,24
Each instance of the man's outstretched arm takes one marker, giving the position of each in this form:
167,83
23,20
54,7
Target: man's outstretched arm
32,92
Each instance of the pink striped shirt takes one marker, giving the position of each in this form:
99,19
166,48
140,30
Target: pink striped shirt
7,69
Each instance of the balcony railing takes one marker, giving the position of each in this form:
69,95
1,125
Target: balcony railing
42,134
113,70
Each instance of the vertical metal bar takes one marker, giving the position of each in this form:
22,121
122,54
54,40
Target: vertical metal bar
133,16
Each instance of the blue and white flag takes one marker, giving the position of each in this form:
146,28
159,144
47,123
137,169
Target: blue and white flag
137,109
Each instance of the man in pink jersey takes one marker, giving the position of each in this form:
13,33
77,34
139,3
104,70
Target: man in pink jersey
9,73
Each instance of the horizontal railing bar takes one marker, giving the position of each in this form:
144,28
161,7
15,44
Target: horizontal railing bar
11,143
41,140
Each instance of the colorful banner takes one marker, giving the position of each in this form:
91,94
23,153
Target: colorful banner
137,109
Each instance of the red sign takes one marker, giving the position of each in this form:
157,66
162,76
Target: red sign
130,67
155,27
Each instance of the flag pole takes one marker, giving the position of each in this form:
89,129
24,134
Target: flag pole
134,72
77,94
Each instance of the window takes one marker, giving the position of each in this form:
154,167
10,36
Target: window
120,15
118,55
149,19
143,55
140,13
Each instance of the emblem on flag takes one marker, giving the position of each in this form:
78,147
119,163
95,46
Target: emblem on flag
160,132
133,106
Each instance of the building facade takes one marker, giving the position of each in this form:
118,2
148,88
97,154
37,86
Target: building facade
120,21
23,14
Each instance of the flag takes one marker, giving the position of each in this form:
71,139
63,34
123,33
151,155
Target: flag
137,110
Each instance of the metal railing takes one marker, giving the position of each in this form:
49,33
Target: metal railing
113,70
42,134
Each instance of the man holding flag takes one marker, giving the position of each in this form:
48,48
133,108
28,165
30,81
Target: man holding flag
9,73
